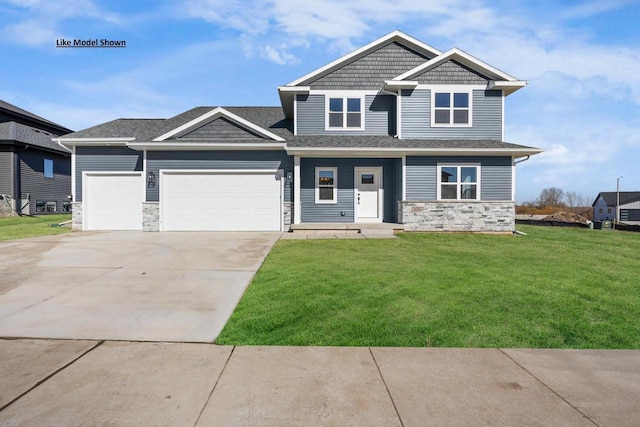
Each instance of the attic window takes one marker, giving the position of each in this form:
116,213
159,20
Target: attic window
344,113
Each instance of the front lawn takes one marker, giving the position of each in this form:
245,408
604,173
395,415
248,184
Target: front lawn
555,288
19,227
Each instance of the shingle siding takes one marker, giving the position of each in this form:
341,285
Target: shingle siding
486,117
220,128
495,176
370,71
98,159
332,212
451,72
33,182
212,160
379,116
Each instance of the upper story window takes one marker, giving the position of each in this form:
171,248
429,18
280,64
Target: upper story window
48,168
451,108
345,113
458,182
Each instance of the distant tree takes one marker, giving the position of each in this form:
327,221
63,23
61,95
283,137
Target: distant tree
572,199
551,196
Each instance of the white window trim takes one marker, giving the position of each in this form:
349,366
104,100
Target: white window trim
335,185
344,97
451,90
458,184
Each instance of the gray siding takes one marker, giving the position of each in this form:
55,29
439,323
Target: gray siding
211,160
495,176
6,173
451,72
370,71
379,116
98,159
220,128
486,119
33,182
326,212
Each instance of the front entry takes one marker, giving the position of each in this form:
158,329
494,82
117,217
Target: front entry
368,194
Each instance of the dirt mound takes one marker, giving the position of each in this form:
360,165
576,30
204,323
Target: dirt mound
564,216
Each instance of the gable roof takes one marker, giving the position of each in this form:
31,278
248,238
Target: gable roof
394,36
32,119
610,197
212,115
498,79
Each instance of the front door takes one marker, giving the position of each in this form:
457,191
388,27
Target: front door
368,194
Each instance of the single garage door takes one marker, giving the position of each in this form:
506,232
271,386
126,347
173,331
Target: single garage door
220,201
112,201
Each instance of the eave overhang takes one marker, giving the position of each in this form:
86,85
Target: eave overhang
71,142
287,96
205,146
399,152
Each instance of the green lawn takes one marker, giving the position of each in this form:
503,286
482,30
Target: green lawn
19,227
555,288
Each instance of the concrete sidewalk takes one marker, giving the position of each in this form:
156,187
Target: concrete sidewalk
79,383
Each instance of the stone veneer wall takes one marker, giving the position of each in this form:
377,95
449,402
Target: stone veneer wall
6,208
287,213
76,216
150,216
478,216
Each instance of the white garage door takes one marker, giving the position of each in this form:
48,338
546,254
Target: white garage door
220,201
112,201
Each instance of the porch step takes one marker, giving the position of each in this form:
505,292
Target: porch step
384,228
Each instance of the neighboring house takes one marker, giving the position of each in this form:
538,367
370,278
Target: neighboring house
604,207
396,131
35,172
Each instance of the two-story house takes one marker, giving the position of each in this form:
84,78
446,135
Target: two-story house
396,132
35,172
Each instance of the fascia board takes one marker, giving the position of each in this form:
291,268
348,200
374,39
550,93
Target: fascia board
462,57
190,146
92,141
394,85
357,151
214,114
393,36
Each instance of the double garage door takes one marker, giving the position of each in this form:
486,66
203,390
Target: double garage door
189,201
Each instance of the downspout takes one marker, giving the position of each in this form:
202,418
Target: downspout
386,92
513,176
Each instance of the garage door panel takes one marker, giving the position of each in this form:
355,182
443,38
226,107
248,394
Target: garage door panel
113,202
215,201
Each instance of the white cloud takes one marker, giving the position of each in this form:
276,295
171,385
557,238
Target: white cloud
43,26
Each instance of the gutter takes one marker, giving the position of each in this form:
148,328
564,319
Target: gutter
522,160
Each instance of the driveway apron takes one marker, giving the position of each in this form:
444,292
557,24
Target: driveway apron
134,286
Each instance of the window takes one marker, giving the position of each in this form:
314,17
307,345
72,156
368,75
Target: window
451,109
608,210
48,168
43,206
458,182
344,113
326,185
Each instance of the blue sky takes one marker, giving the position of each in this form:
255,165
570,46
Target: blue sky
582,59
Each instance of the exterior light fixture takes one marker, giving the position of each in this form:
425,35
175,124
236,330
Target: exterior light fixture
151,179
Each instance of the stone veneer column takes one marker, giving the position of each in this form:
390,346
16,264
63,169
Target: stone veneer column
474,216
76,216
150,216
287,215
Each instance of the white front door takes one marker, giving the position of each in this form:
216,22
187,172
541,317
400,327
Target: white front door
368,194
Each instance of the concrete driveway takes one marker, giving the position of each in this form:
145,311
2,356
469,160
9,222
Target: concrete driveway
132,286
